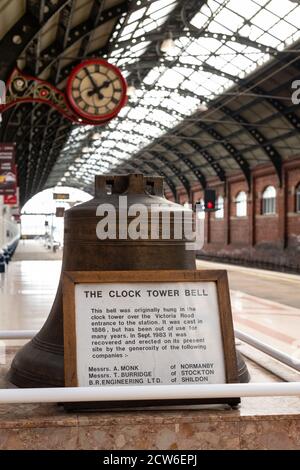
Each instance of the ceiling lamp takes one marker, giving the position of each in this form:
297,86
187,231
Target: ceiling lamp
168,44
131,90
96,136
202,107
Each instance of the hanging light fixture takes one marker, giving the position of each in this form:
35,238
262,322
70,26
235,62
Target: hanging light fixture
96,136
168,44
131,89
202,106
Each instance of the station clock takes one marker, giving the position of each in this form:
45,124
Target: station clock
96,90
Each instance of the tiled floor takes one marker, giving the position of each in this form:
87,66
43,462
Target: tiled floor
265,305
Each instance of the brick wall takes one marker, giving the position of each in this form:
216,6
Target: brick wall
257,239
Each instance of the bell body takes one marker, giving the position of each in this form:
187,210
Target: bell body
40,363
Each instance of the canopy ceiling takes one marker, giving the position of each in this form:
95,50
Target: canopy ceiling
218,101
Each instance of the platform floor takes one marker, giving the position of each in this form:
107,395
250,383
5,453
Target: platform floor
265,304
26,295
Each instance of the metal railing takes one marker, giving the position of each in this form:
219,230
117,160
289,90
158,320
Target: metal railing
147,392
275,353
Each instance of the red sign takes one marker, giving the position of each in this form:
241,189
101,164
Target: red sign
8,178
10,199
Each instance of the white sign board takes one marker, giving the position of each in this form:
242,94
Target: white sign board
143,333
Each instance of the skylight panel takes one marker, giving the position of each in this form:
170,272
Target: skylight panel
159,5
294,17
265,19
229,19
280,8
215,27
282,30
253,32
162,13
269,40
153,75
130,28
241,62
170,78
249,8
136,15
161,116
219,62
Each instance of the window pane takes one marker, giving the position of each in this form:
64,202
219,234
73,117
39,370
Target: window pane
241,204
298,199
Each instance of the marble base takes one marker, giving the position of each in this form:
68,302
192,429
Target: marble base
259,423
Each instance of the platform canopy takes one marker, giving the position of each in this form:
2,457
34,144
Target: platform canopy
210,87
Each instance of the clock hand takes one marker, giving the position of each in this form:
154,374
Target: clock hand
98,88
95,85
104,85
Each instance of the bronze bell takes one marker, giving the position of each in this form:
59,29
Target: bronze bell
40,363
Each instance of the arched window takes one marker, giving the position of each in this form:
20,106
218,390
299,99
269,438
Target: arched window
241,204
298,198
200,210
269,201
220,208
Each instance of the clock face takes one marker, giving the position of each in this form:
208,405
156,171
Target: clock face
96,90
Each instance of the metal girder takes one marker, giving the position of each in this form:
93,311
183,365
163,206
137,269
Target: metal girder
64,27
165,161
98,52
155,37
18,38
208,157
33,50
237,38
55,51
231,149
290,116
189,164
42,152
185,182
270,151
196,171
51,125
95,15
150,64
48,162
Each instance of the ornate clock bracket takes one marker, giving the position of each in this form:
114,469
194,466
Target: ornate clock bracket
22,88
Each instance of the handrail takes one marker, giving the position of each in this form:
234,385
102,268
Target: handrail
275,353
17,334
147,392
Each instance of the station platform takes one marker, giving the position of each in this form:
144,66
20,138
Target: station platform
26,295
